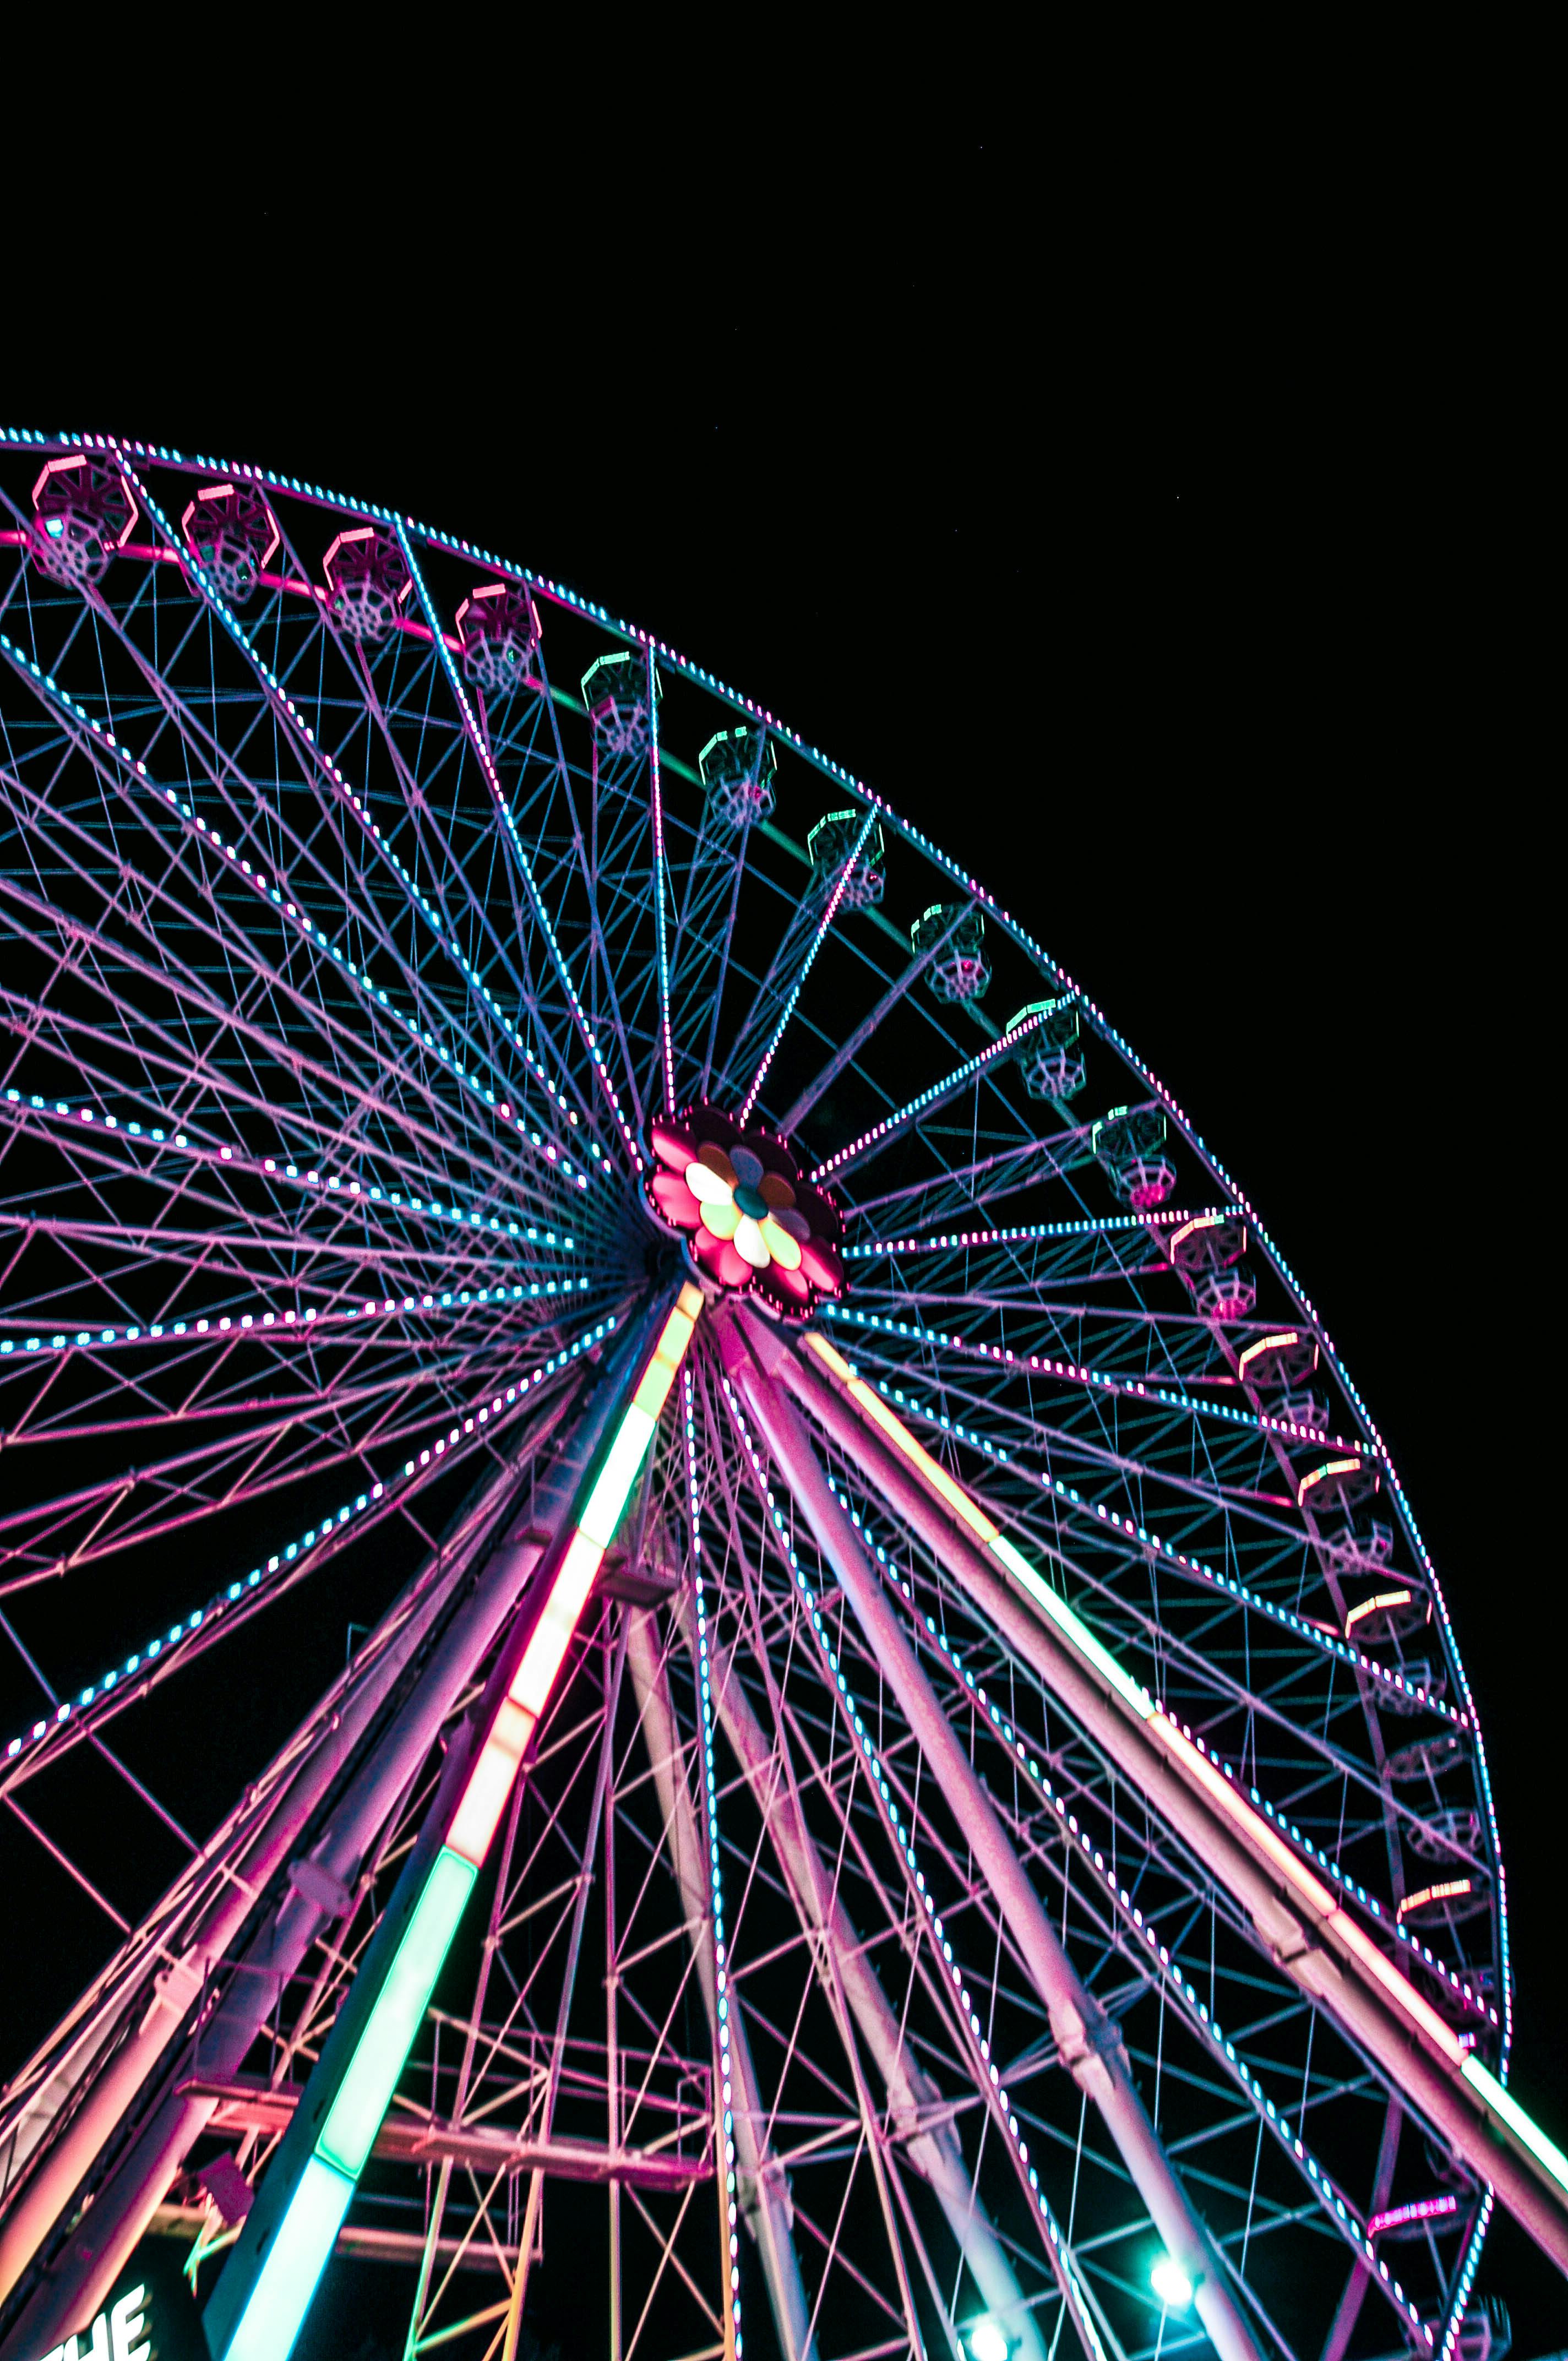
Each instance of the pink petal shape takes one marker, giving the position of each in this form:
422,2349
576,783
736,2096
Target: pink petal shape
731,1270
822,1267
676,1201
793,1285
673,1145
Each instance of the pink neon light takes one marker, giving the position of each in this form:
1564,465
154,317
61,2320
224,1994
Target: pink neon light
1443,1892
1267,1345
1423,2209
1319,1475
1372,1606
227,491
1205,1222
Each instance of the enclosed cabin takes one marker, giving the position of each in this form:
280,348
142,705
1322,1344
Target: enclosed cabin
368,583
1129,1146
233,536
831,847
953,934
1050,1057
499,629
82,511
614,695
737,768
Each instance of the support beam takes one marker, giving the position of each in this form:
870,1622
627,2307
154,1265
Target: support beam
124,2042
763,2189
1088,2041
937,2154
1326,1956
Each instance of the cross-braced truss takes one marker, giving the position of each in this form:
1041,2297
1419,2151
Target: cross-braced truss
837,1970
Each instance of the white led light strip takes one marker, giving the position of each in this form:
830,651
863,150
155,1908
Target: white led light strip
1342,2215
286,1560
880,1132
1094,1380
476,740
278,900
987,2075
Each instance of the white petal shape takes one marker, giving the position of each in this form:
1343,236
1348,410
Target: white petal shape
706,1187
749,1244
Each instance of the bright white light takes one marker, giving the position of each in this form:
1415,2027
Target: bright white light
1172,2284
987,2343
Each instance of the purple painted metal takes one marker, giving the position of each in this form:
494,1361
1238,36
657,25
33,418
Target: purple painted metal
125,2205
1088,2041
1352,2001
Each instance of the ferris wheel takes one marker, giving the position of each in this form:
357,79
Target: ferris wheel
903,1781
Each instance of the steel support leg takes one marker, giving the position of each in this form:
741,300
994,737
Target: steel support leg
1088,2043
132,2028
1348,1997
937,2155
764,2191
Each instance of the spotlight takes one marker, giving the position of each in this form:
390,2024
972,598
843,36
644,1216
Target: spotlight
987,2343
1172,2284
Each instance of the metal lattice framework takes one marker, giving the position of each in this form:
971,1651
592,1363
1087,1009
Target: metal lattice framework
1011,1806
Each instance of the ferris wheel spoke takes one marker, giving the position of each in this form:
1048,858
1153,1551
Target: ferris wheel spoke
345,1041
327,780
531,1392
258,1046
937,1098
845,1052
704,933
763,1026
966,1192
578,1020
1176,1963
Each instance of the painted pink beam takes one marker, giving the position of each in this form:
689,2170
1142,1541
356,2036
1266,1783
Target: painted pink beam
1300,1921
1089,2045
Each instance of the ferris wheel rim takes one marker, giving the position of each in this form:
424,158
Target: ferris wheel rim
658,654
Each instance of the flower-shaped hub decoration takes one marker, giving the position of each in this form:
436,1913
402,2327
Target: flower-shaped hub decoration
753,1221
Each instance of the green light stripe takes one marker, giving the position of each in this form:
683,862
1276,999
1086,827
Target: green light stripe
1525,2128
605,1501
1072,1626
365,2090
281,2296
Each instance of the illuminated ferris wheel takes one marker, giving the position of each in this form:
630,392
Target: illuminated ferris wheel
902,1782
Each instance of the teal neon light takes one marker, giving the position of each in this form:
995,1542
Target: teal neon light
1073,1628
1525,2128
365,2090
281,2296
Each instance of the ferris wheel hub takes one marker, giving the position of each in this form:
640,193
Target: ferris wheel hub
751,1223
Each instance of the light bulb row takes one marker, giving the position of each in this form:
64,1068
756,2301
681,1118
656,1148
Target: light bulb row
880,1132
478,741
1028,1232
475,1422
270,892
1097,1381
986,2072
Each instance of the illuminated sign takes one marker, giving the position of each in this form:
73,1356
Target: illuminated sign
118,2335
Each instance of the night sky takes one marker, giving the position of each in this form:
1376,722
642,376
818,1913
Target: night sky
1201,543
